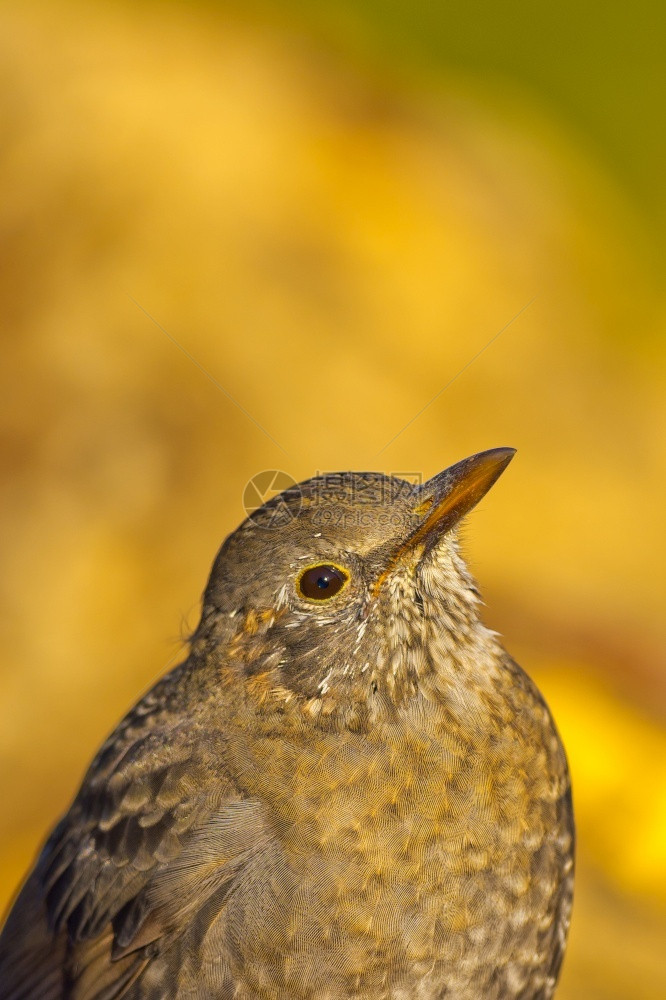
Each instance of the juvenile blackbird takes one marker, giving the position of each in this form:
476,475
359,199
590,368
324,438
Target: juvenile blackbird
348,789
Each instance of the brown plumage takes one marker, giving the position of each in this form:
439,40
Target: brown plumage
347,790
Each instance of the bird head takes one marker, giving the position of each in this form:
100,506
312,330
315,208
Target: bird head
346,588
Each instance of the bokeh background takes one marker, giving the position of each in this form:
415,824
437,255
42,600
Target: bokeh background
321,215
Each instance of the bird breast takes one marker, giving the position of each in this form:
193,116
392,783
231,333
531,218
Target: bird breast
420,846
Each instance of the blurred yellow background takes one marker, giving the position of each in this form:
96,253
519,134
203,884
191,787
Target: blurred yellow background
333,210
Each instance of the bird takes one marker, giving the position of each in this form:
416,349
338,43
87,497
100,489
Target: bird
348,789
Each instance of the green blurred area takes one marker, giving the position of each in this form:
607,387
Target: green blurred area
598,67
334,209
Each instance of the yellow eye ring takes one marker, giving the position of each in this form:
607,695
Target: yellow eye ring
321,581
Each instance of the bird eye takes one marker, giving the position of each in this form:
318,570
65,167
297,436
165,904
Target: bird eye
319,583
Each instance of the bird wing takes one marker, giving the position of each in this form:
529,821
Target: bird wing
153,838
31,957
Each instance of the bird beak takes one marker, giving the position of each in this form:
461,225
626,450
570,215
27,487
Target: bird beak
451,494
443,500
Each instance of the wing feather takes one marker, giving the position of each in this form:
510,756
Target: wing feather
150,848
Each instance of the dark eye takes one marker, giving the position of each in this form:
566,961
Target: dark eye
318,583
